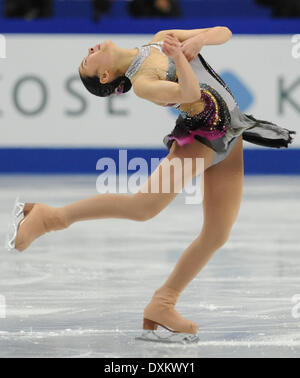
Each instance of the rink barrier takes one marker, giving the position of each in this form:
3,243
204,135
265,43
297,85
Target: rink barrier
84,160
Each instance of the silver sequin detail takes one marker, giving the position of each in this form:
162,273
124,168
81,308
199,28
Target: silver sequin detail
142,54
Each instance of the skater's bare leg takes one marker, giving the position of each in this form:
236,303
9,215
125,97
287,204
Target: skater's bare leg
140,206
223,186
144,204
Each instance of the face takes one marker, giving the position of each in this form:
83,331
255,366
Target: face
98,62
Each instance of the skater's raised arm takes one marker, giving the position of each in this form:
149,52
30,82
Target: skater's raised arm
193,40
210,36
160,91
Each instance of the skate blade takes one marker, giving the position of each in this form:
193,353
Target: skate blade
179,338
16,217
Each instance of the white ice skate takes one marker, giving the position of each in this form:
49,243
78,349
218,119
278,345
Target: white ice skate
16,217
169,337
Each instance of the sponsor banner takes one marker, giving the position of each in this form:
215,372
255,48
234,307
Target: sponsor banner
43,103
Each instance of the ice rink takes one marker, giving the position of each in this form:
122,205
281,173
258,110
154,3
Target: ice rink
81,292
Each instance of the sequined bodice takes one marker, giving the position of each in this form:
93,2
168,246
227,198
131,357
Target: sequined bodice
143,53
216,96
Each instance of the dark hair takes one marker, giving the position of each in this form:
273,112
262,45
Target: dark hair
116,87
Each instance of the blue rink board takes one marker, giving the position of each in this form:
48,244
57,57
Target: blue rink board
84,160
149,26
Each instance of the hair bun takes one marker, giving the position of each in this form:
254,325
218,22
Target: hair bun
116,87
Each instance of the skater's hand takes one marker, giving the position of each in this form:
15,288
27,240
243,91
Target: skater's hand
171,46
191,47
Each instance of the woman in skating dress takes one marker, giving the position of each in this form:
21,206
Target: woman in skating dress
168,71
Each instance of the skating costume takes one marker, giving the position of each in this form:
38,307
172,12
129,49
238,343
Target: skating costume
221,122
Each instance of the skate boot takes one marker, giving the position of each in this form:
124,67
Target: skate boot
30,221
160,312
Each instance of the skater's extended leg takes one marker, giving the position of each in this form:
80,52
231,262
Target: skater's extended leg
140,206
223,185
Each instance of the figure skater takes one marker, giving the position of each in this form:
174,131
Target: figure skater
168,71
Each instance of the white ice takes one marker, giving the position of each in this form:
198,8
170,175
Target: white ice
81,292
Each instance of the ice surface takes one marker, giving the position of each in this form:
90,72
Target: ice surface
81,292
